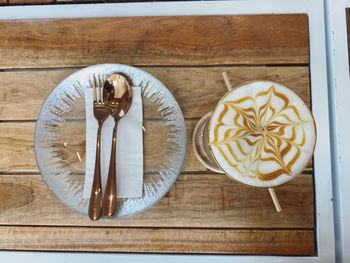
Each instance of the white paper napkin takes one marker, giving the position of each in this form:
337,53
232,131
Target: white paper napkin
129,156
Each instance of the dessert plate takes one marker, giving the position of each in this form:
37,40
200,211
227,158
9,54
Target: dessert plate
60,139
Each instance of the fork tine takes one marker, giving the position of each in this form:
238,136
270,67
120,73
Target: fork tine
94,88
100,85
103,83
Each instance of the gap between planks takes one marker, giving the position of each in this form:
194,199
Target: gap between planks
307,171
164,66
161,227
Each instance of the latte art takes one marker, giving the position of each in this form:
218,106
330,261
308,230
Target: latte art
262,134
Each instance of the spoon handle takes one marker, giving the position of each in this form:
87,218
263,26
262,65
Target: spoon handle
95,205
110,195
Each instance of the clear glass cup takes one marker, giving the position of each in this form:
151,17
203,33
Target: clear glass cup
204,153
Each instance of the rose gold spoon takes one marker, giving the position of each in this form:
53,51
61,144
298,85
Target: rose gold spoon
119,98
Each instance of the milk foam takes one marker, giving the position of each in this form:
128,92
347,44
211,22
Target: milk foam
262,134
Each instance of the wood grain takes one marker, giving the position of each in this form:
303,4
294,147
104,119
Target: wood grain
175,41
186,84
195,200
17,146
265,242
26,2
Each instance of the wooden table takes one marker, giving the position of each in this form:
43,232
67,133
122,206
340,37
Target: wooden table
204,212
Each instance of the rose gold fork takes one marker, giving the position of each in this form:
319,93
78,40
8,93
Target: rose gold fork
101,113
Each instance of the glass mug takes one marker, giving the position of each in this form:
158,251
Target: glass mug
260,134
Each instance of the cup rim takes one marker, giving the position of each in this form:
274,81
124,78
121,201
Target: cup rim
313,121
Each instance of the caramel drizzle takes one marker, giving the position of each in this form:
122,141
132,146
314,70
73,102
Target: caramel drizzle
265,135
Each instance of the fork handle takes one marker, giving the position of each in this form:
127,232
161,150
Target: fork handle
110,195
95,205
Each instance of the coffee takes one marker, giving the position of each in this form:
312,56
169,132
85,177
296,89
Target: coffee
262,134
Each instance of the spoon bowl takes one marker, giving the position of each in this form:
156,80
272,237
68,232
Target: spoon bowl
119,95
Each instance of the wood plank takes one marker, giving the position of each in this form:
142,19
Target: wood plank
17,146
177,40
186,84
347,10
26,2
213,241
195,200
103,1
